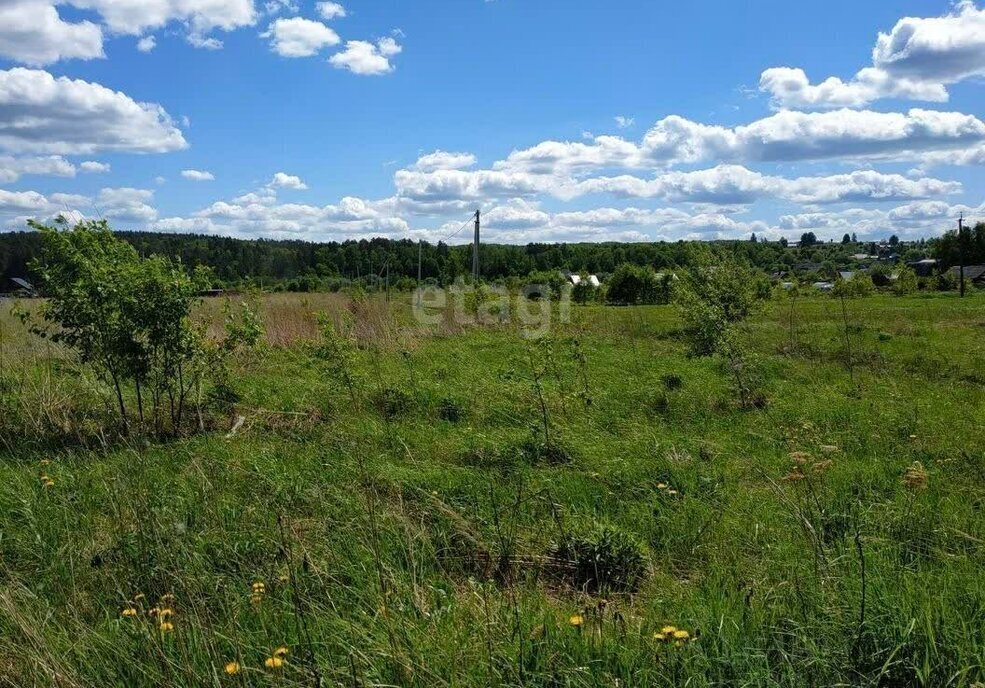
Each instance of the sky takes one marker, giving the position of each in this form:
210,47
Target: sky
558,120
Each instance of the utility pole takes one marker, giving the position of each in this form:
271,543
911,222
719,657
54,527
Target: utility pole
475,251
420,250
961,252
388,280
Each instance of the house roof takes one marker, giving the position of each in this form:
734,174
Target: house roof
22,283
971,272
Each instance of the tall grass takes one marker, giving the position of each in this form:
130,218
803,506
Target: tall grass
405,545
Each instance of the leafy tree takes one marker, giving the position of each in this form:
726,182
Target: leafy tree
808,239
713,299
893,240
846,239
632,284
906,282
127,317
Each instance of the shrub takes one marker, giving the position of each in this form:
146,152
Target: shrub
392,402
603,558
632,284
128,318
450,410
711,300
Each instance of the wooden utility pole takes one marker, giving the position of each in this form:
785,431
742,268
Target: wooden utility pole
420,250
475,251
961,253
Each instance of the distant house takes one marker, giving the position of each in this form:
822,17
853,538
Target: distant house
575,279
846,274
925,267
973,273
823,286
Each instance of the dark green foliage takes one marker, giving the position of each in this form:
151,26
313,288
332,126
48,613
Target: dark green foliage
392,402
450,410
633,284
603,557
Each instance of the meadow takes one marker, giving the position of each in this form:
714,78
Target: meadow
460,505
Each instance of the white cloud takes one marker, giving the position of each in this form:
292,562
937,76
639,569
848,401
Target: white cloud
94,166
32,32
624,122
282,180
126,204
916,60
365,58
785,136
298,37
12,168
198,175
330,10
197,40
146,44
42,114
443,160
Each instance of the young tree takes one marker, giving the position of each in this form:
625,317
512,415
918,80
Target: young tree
126,316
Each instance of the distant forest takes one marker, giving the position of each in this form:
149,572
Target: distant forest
309,266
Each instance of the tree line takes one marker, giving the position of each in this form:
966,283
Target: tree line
310,266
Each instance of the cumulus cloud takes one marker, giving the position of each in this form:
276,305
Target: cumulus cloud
32,32
442,160
13,168
916,60
198,175
94,166
43,114
146,44
282,180
298,37
330,10
624,122
126,204
785,136
365,58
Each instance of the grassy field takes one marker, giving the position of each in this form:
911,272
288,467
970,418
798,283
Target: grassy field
416,530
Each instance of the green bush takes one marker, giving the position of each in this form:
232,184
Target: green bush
632,284
603,557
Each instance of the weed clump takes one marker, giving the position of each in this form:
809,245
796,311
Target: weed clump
450,410
392,402
603,557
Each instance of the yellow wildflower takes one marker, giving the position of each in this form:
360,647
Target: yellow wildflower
165,613
576,620
681,634
129,611
668,630
281,651
273,662
166,626
661,486
232,668
659,636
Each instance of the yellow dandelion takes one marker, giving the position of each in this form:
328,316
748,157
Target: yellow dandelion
166,626
659,636
576,620
668,630
259,587
681,634
281,652
165,613
273,662
232,668
129,611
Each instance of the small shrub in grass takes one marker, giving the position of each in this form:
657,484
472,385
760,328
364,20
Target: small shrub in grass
536,451
450,410
392,402
603,557
672,381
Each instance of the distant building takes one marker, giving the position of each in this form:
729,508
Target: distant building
925,267
973,273
575,279
823,286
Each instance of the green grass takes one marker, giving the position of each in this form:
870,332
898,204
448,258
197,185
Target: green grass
405,549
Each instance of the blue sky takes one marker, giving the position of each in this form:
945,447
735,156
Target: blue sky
562,121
